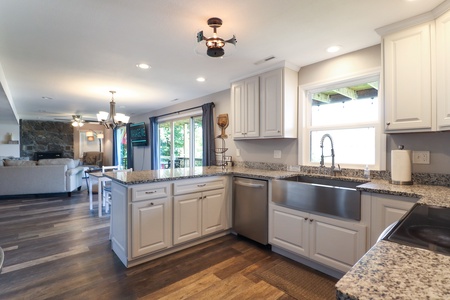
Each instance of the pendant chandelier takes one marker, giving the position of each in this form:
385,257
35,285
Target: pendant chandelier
112,119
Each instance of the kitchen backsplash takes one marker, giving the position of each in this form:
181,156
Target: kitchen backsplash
417,178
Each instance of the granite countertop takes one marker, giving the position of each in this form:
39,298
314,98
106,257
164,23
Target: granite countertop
393,271
149,176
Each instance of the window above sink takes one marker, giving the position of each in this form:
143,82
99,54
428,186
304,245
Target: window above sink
350,111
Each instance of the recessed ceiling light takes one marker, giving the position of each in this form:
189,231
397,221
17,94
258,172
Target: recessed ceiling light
201,79
47,98
333,49
143,66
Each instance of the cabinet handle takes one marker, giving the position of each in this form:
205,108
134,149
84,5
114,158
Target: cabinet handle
150,192
201,185
200,198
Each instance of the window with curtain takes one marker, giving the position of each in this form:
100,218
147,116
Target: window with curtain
180,142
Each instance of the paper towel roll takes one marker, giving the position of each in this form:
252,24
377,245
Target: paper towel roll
401,166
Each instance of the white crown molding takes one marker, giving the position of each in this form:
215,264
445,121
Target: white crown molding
278,65
416,20
441,9
408,23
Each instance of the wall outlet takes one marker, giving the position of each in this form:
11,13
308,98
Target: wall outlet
421,157
276,153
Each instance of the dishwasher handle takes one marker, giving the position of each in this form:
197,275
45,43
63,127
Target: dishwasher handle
246,184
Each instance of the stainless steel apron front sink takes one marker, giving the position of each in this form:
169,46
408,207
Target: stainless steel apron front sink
319,195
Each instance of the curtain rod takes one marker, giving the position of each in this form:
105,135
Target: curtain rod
183,110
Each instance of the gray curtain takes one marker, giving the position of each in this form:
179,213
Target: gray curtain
209,157
154,143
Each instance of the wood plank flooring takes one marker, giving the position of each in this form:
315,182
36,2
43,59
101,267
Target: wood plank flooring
55,248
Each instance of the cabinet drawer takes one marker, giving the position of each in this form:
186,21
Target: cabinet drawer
198,185
150,191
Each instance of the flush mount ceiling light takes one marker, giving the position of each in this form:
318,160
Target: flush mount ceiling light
333,49
215,44
143,66
77,121
112,119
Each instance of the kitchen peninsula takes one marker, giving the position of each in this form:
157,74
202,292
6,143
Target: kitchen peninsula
155,213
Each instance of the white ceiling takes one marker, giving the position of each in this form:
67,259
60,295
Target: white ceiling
74,52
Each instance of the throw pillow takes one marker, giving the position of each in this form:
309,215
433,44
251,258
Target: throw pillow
16,163
57,161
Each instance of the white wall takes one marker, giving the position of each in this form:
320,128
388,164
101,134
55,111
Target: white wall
9,149
262,150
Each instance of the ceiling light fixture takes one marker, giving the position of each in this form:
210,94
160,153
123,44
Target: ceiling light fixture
77,121
215,44
201,79
143,66
112,119
333,49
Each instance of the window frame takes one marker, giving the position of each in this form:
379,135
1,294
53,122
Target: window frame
173,118
305,128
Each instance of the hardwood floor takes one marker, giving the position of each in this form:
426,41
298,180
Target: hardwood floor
55,248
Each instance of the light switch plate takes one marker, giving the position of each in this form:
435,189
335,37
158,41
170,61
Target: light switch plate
421,157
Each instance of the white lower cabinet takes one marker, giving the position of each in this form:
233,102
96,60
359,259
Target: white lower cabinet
385,210
151,226
335,243
201,213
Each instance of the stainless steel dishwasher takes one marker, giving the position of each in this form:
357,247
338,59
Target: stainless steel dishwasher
250,208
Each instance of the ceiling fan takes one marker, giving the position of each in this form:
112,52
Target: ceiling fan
77,120
215,44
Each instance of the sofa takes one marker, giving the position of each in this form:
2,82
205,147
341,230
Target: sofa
22,177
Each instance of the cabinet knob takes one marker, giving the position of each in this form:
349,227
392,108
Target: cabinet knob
306,219
388,123
151,203
311,220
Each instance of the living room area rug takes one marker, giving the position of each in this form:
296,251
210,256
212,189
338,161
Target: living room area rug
300,282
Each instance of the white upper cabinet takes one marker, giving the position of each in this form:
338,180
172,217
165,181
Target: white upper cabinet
443,71
245,107
417,73
408,87
265,106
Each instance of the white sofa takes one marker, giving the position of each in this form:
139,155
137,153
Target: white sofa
60,175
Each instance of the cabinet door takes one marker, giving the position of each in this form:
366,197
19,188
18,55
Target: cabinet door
187,222
214,216
387,209
443,71
407,76
245,107
238,108
336,243
271,95
288,229
252,107
151,228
